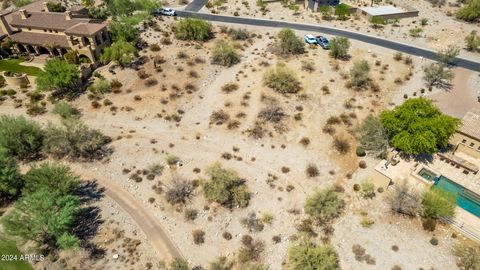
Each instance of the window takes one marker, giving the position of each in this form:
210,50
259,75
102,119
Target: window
464,141
44,30
472,144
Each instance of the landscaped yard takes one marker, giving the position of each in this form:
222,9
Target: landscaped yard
14,65
7,251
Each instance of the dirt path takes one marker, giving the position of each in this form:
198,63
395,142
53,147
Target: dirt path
459,99
153,230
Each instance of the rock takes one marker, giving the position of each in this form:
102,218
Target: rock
115,256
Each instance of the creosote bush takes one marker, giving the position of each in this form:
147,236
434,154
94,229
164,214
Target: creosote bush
20,137
193,29
179,191
289,43
224,54
305,254
282,79
225,187
324,205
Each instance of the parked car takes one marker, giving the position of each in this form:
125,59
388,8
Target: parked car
310,39
322,41
168,12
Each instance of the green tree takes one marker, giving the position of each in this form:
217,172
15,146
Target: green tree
468,256
418,127
360,73
438,203
58,75
470,12
305,255
225,187
44,217
71,57
88,3
289,43
473,41
120,51
447,56
20,137
11,181
324,204
120,7
437,74
327,12
282,79
372,136
122,31
54,177
339,47
342,11
148,5
193,29
224,54
178,264
75,140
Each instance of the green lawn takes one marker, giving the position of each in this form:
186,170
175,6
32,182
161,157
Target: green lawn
8,247
14,65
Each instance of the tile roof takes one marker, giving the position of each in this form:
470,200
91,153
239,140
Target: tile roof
85,28
46,20
40,39
471,124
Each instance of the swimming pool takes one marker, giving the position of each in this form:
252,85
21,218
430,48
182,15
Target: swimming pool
466,198
427,175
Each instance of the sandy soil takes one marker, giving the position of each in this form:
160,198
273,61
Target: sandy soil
145,132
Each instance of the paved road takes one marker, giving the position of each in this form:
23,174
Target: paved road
394,45
196,5
149,224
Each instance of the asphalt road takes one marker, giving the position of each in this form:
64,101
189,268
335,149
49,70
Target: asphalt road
394,45
196,5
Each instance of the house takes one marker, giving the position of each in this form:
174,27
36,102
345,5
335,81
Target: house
467,137
36,29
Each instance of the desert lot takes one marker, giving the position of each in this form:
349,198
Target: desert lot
168,111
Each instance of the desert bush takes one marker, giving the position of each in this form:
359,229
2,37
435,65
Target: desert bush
367,222
251,249
101,86
267,218
404,199
362,164
252,223
308,66
272,114
434,241
193,29
178,264
198,237
10,178
469,12
468,256
20,137
64,109
238,34
282,79
438,203
35,108
219,117
224,54
227,235
190,214
437,74
154,47
225,187
360,73
472,41
179,191
304,254
339,47
341,145
75,140
360,151
289,43
324,205
415,32
229,87
312,170
172,159
447,56
372,136
155,169
367,189
221,263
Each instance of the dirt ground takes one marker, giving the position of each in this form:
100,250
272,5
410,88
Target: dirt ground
171,115
442,29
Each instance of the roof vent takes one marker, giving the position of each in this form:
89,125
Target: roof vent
23,13
68,15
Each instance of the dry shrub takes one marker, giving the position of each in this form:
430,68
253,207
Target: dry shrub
179,191
198,236
341,145
282,80
252,223
305,141
272,114
151,82
312,170
229,87
251,250
219,117
257,131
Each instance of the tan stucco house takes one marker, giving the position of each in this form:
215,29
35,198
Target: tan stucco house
467,137
35,29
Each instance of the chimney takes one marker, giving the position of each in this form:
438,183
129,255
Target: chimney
45,7
68,15
23,13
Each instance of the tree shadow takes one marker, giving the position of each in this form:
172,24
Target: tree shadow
89,191
422,158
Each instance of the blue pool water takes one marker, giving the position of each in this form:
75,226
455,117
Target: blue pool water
466,199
